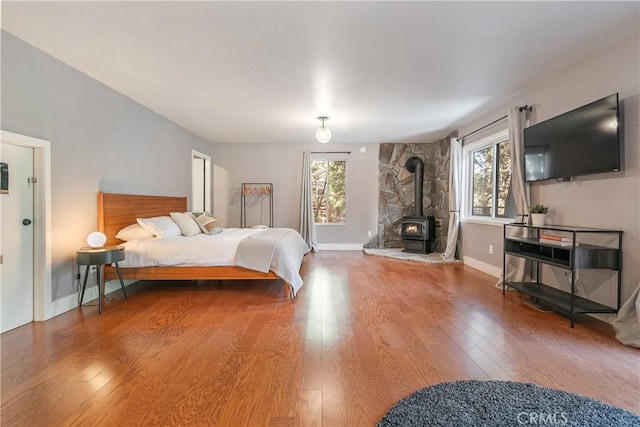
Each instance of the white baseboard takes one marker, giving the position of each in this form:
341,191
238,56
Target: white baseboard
70,302
63,305
482,266
339,246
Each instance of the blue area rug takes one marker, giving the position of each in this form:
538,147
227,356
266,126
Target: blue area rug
502,403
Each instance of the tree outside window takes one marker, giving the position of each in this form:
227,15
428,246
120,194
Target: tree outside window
482,182
506,206
329,191
490,186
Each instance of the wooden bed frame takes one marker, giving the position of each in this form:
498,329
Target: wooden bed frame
116,211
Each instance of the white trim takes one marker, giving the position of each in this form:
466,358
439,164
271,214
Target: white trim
489,140
467,177
65,304
200,155
42,304
70,302
319,155
497,222
91,293
339,246
482,266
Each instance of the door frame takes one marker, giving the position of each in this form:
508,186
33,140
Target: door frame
42,221
208,201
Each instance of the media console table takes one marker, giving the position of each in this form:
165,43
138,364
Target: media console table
524,241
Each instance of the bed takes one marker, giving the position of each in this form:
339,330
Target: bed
116,211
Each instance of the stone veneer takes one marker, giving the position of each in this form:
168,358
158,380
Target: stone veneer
396,192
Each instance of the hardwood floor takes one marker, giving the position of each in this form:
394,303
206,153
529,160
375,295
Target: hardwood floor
363,333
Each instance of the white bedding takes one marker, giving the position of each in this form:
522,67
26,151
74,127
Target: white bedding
216,250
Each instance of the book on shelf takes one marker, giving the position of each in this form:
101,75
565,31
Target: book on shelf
555,237
557,242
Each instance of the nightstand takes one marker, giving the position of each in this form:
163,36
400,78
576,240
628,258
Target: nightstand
99,257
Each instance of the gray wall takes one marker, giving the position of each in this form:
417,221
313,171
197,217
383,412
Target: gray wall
610,200
100,140
281,164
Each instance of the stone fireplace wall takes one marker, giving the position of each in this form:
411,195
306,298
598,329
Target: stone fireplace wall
396,192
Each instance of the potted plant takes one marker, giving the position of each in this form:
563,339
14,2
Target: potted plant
538,213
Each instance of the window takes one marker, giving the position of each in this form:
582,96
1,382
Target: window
329,191
487,169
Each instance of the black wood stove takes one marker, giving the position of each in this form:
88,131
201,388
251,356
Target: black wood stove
417,231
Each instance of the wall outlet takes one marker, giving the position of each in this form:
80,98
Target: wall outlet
92,269
370,233
490,249
77,276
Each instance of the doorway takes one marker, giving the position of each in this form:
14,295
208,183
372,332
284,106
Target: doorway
35,247
200,182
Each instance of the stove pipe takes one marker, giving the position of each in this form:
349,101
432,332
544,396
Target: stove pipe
415,165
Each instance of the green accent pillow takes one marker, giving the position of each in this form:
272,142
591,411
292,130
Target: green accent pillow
207,223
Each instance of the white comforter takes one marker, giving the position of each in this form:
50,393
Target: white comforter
217,250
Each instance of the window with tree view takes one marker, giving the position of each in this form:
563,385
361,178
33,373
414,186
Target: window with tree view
329,191
490,175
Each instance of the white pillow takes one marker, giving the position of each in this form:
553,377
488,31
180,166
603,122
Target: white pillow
186,222
161,226
132,232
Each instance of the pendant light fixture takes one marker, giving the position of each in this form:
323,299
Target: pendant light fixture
323,134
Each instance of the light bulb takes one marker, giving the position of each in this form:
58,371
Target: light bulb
323,134
96,239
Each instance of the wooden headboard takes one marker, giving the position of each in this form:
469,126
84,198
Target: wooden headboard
116,211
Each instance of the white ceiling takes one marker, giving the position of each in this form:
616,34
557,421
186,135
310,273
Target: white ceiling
263,71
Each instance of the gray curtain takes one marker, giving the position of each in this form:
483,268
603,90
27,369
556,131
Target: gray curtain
518,185
307,222
455,162
517,267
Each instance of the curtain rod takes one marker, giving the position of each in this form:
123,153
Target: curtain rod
331,152
526,107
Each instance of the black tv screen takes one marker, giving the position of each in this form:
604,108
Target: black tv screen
580,142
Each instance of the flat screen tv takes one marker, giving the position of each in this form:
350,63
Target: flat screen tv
580,142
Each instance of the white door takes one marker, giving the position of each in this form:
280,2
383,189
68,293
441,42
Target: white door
16,237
